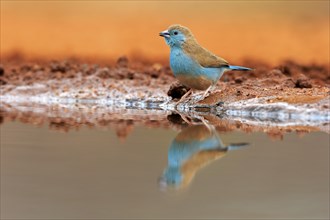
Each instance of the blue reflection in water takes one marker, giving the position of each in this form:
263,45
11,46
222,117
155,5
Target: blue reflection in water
193,148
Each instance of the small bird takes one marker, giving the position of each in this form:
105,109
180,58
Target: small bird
193,65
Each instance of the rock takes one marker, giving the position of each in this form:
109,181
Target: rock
288,83
303,83
175,119
275,73
238,80
103,73
2,82
285,69
57,67
2,71
122,62
177,90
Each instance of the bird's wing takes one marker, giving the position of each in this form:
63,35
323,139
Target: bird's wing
204,57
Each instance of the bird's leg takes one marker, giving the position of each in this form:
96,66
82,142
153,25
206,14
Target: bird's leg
210,89
191,121
185,119
184,96
209,127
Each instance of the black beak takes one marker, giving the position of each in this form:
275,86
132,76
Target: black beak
164,34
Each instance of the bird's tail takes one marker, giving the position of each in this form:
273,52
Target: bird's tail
241,68
237,146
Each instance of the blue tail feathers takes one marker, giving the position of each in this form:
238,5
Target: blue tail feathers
238,68
237,146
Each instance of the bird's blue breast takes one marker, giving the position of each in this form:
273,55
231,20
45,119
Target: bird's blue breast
181,151
190,72
182,63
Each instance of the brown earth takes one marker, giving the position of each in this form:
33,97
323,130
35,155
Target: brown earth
288,82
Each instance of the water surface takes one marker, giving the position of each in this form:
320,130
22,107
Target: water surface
91,173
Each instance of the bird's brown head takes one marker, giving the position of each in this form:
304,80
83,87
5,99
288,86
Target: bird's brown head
176,35
184,30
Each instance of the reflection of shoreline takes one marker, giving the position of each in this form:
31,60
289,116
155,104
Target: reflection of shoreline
67,117
192,149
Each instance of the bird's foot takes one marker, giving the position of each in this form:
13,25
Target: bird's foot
184,118
209,126
192,121
184,97
207,92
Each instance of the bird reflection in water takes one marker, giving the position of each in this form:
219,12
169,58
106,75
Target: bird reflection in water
193,148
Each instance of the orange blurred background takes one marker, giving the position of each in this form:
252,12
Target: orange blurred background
269,31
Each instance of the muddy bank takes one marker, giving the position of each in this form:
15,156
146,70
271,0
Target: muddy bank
73,79
286,92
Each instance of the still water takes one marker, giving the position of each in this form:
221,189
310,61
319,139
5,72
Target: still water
193,173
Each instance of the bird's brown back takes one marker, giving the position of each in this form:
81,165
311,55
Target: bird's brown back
204,57
191,47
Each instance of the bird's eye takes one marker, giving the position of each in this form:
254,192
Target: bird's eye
175,33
